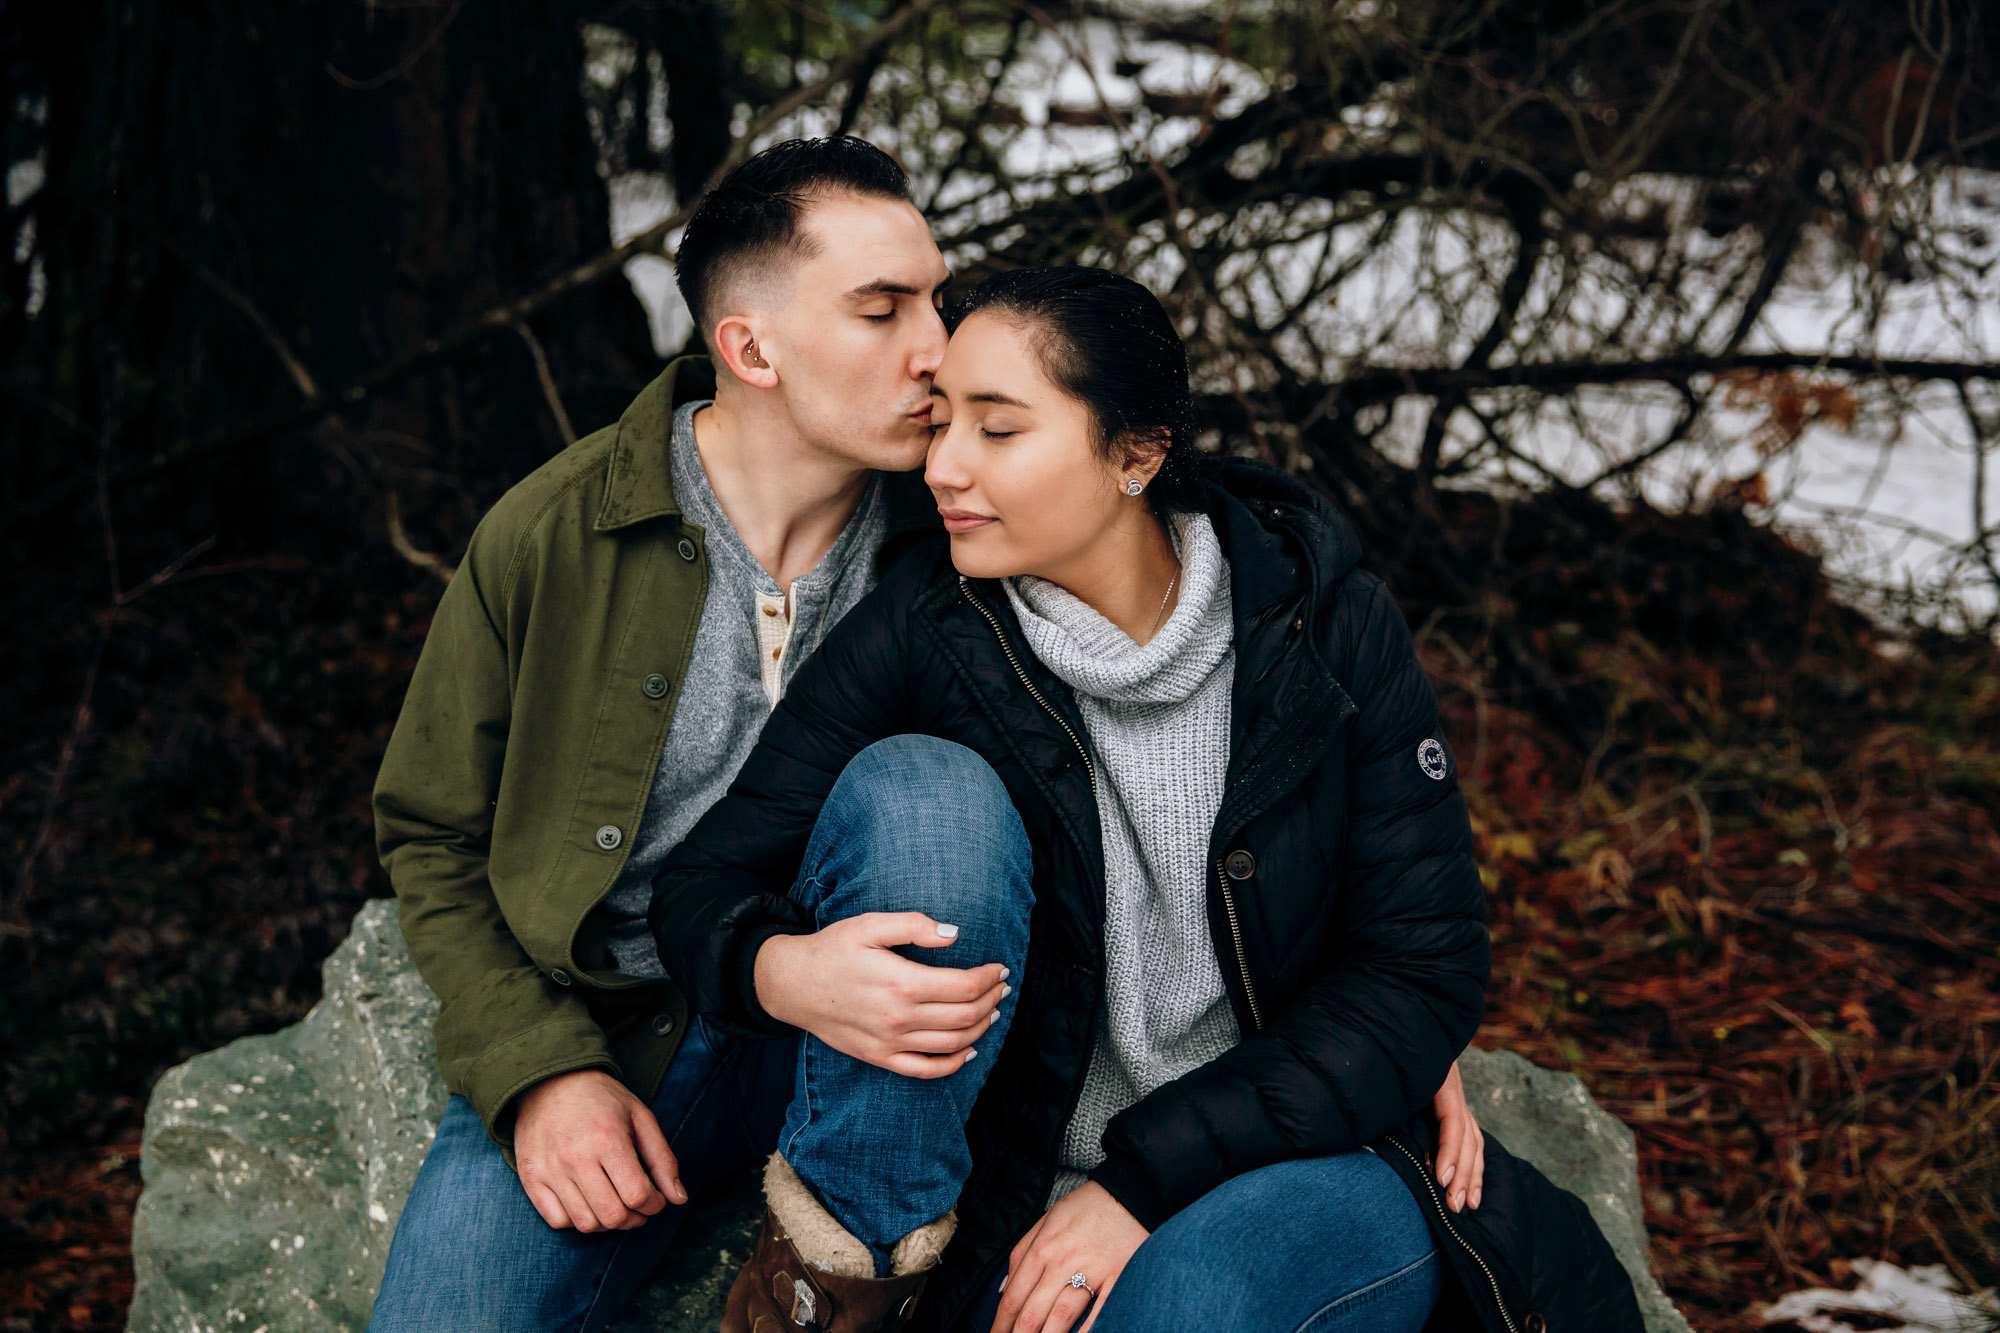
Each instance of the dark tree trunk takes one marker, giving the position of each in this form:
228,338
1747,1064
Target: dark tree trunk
355,178
241,199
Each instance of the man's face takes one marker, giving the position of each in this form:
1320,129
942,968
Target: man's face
858,337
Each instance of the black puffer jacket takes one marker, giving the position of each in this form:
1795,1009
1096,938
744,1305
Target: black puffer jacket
1344,902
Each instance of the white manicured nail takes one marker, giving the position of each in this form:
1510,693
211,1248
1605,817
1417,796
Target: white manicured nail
1006,972
949,932
1003,1280
1005,990
971,1051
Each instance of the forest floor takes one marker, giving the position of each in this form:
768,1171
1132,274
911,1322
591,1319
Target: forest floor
1742,849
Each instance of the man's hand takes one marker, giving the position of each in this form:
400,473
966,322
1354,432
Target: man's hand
1461,1147
1087,1232
844,985
591,1155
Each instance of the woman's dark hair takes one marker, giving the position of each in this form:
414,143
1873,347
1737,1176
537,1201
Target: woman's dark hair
752,216
1107,342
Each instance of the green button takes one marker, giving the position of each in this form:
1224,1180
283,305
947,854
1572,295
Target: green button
654,686
560,977
686,548
663,1024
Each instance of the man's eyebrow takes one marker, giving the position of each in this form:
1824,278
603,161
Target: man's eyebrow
890,287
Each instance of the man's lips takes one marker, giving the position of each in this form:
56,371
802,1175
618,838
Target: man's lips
964,520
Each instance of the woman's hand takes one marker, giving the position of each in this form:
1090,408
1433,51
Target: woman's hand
845,984
1087,1232
1461,1159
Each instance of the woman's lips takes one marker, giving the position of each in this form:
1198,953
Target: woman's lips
964,520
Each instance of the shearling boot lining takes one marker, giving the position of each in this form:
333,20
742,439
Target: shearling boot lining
922,1248
820,1241
832,1248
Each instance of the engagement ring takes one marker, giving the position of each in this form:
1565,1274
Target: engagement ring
1079,1280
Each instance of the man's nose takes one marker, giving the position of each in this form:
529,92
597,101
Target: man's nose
929,349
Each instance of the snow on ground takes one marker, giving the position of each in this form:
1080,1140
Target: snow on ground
1925,1299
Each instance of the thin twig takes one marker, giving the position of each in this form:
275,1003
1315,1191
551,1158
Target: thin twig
548,383
403,66
118,599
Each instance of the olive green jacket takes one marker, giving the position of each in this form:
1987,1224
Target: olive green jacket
521,762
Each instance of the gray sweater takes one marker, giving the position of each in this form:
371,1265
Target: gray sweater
750,640
1158,721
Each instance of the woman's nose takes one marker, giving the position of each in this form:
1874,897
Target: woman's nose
941,465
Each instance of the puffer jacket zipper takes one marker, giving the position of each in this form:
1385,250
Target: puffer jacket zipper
1236,940
1444,1217
1090,771
1015,662
1221,875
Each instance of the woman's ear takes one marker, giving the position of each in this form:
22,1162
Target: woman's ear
1143,453
736,348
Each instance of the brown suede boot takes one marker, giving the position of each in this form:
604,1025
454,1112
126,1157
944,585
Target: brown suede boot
809,1272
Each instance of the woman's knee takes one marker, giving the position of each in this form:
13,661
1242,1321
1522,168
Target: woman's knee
919,824
928,800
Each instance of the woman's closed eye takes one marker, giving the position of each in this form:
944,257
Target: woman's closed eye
938,427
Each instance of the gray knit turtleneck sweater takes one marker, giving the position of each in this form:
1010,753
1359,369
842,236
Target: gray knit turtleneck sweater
1158,720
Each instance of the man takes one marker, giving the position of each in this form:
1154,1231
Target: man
620,626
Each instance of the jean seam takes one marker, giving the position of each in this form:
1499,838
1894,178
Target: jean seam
726,1056
722,1063
803,1095
1369,1292
610,1266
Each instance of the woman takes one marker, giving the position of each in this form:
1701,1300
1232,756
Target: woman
1143,736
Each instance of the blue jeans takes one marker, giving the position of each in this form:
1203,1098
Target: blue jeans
913,824
1321,1245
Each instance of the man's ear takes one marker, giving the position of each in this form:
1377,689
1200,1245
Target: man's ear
736,349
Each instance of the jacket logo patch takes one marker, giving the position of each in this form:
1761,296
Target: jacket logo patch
1430,758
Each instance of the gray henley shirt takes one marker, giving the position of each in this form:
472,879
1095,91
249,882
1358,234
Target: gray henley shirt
750,641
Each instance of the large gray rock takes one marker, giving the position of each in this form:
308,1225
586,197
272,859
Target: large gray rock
1550,1120
275,1167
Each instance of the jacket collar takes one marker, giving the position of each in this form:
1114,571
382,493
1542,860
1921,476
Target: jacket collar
1289,552
639,480
1288,547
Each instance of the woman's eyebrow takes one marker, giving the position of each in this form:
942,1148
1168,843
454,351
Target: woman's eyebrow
986,396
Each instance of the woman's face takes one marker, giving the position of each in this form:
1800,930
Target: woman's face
1019,480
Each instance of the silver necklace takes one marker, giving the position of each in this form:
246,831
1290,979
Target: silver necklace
1163,604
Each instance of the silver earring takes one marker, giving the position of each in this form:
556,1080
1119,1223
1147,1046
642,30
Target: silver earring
1134,486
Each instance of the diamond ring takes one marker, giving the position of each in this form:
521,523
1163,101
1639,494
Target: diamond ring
1079,1280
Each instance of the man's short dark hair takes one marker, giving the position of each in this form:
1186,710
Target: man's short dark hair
752,216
